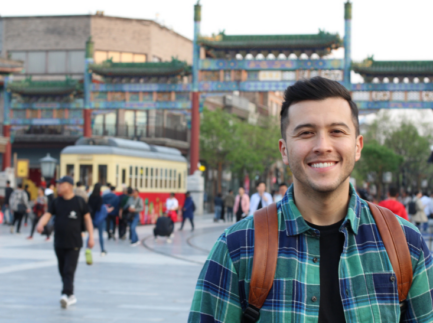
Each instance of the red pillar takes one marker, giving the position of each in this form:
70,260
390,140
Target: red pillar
195,133
87,128
7,156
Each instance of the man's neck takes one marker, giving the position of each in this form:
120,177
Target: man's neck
322,208
68,196
392,198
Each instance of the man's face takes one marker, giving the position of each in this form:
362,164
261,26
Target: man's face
241,191
261,188
321,146
282,190
64,188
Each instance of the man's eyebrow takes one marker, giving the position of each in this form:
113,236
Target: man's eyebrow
303,125
341,124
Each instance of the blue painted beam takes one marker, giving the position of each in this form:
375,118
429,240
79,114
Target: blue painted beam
150,105
271,64
78,104
392,87
393,105
46,122
144,87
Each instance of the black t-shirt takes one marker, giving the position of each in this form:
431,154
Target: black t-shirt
331,247
68,222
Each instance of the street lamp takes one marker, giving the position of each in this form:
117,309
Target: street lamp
48,166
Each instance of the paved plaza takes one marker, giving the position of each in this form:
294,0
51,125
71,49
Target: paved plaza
153,282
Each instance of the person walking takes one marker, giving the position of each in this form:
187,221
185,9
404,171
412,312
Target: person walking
79,191
39,209
218,204
95,205
135,204
188,211
172,205
71,211
420,218
242,204
331,263
282,189
123,212
229,202
393,204
26,215
19,205
8,214
260,199
112,201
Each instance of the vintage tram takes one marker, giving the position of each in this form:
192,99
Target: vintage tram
155,171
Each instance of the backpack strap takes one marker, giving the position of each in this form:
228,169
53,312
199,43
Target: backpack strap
396,246
264,261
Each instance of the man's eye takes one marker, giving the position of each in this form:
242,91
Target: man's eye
337,131
306,133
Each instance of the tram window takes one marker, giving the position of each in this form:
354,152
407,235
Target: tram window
102,174
117,175
174,179
165,178
179,181
184,178
151,178
141,176
169,178
86,174
161,173
136,177
130,176
123,176
70,170
147,177
156,177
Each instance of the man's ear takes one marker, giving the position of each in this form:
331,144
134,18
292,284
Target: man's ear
359,146
284,151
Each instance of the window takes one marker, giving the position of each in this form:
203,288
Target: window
70,170
102,174
127,57
36,63
174,179
86,175
151,178
76,61
130,176
161,174
146,183
141,176
57,62
165,179
117,175
179,182
169,178
124,176
100,56
115,56
139,58
156,177
136,177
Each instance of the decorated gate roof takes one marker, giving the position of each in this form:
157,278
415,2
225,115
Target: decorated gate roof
321,43
8,66
148,69
30,87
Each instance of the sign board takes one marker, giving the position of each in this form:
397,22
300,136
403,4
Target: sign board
22,168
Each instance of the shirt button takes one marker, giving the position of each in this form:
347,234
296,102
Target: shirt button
315,259
314,298
392,278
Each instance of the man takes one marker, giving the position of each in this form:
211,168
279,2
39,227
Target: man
26,190
19,205
78,191
136,206
6,209
332,266
218,205
420,217
282,189
107,189
229,202
260,199
112,200
242,204
71,211
393,204
123,212
172,205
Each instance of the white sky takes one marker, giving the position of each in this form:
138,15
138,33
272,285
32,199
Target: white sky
389,29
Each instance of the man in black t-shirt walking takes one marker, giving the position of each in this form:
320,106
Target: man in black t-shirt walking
70,211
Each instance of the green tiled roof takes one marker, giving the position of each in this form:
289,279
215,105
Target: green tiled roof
370,67
147,69
30,87
291,42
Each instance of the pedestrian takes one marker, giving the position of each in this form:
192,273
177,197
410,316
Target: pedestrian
260,199
8,214
95,205
229,202
242,204
420,218
172,205
282,189
393,204
135,206
49,193
71,211
19,204
79,191
107,189
218,204
26,215
123,212
111,200
331,263
188,211
39,209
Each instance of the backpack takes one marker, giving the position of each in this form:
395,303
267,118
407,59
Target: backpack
266,255
17,202
100,216
411,207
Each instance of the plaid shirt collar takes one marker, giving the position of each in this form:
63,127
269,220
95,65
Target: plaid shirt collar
295,223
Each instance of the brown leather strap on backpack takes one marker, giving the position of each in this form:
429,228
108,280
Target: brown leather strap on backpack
264,261
396,246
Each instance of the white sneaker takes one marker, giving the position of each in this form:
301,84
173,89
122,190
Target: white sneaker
135,244
64,301
103,253
72,300
169,240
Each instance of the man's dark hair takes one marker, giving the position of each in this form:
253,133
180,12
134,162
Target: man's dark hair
393,191
8,182
26,186
172,194
78,184
230,191
112,188
129,190
20,185
187,193
260,182
283,184
316,89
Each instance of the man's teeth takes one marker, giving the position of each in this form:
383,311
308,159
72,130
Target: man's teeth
322,165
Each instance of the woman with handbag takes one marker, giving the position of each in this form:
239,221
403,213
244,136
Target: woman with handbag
39,209
135,206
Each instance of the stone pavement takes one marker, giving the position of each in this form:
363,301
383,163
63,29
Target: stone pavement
153,282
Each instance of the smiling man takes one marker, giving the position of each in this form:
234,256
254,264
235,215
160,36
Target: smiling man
332,265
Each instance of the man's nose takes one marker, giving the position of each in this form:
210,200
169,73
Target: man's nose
322,144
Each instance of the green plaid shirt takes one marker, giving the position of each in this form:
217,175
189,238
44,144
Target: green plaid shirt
367,281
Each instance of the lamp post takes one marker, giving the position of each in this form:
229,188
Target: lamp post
48,166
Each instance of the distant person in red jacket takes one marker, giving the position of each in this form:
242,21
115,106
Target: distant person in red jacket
392,204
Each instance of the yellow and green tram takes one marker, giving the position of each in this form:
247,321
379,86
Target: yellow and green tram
155,171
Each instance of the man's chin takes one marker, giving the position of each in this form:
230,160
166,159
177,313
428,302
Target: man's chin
324,187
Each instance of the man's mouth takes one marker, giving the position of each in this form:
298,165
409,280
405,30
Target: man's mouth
322,164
